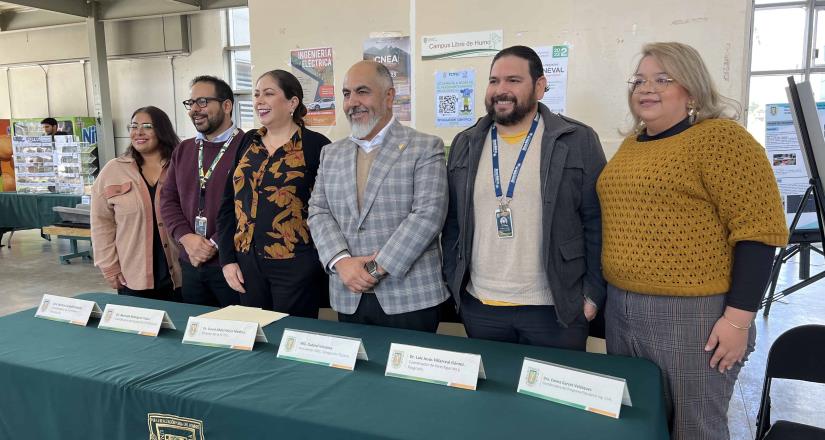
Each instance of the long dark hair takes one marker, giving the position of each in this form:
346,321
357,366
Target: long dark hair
167,138
291,87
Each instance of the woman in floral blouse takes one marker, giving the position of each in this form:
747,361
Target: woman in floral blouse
265,248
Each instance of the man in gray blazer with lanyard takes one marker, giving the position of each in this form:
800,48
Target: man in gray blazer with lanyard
378,206
522,239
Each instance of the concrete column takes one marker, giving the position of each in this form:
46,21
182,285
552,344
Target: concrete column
100,85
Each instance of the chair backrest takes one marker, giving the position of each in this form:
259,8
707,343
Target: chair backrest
799,354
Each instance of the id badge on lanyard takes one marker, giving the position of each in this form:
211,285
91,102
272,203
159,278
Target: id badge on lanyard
200,221
504,216
200,226
504,221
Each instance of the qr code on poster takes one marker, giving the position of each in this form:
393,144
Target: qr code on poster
447,104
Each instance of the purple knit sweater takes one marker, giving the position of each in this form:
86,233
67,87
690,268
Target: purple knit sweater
179,197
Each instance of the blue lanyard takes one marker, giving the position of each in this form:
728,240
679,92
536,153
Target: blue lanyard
519,161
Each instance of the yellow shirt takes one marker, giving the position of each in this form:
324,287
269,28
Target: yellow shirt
673,209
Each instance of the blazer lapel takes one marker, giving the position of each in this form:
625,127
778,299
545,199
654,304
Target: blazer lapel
348,176
389,152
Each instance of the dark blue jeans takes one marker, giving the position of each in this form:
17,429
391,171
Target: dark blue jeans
531,325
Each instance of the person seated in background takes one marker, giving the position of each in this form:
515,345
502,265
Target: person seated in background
266,252
131,246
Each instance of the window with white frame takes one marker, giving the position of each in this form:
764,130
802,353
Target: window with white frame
240,65
787,39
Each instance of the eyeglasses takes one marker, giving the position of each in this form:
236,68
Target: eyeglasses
201,102
135,127
658,84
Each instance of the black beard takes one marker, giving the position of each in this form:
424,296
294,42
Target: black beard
520,111
212,124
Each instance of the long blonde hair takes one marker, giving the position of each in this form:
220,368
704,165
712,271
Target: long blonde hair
684,64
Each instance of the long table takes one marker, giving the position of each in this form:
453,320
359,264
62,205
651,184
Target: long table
60,381
32,211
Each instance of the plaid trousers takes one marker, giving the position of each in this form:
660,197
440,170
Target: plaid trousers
671,331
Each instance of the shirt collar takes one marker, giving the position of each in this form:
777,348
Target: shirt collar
369,145
223,137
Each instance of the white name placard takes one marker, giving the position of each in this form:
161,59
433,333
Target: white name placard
442,367
71,310
146,322
322,349
238,335
597,393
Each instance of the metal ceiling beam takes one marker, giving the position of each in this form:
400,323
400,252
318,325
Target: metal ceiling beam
28,20
78,8
196,3
52,12
223,4
125,10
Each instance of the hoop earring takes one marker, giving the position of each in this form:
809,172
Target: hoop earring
691,113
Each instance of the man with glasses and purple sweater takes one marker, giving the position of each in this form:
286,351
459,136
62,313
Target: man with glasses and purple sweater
191,198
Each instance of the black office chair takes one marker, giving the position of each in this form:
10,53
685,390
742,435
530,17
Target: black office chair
798,354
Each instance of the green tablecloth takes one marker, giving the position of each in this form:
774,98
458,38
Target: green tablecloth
32,211
64,381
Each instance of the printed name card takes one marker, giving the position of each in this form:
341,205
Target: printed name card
597,393
237,335
321,349
71,310
146,322
442,367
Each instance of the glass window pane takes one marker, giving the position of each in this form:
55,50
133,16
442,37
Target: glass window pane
241,70
245,113
819,44
239,27
778,38
764,90
818,85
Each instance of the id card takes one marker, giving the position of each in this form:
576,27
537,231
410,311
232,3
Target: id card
200,226
504,222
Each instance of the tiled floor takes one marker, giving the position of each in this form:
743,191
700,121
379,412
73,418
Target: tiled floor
30,268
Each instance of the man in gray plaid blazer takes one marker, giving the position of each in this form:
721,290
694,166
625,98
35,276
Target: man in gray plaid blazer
378,206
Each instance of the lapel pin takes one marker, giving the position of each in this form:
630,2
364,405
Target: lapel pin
401,146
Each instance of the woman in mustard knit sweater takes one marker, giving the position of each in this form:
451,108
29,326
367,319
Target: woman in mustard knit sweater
691,217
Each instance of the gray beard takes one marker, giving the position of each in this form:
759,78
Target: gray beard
360,131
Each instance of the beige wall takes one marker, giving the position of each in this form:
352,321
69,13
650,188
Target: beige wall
134,83
604,38
340,25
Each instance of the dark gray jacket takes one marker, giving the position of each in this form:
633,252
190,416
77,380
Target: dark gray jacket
571,160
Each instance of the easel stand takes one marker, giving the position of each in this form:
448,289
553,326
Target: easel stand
803,249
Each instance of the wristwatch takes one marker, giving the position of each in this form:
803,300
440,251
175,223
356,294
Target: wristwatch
372,267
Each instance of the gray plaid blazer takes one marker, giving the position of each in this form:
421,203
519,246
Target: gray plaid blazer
404,207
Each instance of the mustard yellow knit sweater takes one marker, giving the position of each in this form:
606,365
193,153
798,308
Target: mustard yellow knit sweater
674,208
